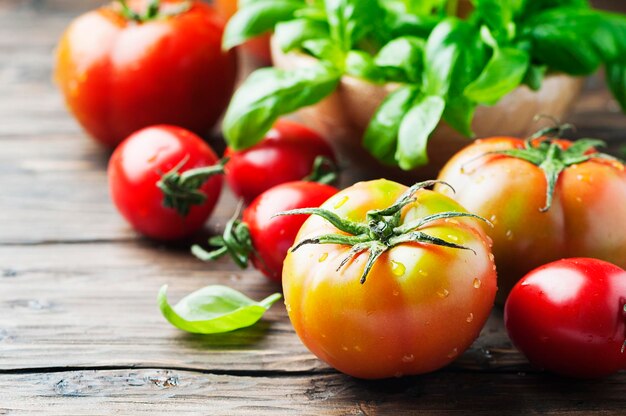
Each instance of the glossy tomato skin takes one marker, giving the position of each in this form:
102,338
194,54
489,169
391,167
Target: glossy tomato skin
137,165
568,317
421,306
259,47
285,154
119,76
272,237
587,217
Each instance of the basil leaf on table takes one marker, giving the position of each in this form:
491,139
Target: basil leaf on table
292,34
503,73
404,54
269,93
257,18
616,78
415,129
381,136
214,309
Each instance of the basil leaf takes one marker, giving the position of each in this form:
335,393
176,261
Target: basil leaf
454,57
415,129
381,136
325,50
533,7
214,309
292,34
269,93
459,114
497,15
350,20
534,76
361,64
405,54
504,72
257,18
616,78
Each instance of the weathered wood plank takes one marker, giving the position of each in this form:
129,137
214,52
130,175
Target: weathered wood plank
179,392
84,305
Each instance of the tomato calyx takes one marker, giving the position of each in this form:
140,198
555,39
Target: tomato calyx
153,10
382,230
182,190
236,242
544,150
324,171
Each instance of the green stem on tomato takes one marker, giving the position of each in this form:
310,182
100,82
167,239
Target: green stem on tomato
381,230
324,171
181,191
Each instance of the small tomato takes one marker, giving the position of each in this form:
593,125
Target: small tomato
161,180
569,317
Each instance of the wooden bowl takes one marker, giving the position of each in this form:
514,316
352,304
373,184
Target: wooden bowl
343,117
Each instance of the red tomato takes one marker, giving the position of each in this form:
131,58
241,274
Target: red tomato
119,75
587,216
422,303
138,165
569,317
259,237
287,153
272,237
259,47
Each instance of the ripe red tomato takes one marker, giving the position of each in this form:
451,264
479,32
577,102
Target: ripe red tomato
569,317
120,74
259,47
587,216
141,164
272,237
287,153
265,239
428,293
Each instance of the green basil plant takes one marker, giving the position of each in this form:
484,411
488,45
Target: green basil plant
446,66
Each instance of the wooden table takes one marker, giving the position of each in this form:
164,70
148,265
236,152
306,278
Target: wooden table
80,332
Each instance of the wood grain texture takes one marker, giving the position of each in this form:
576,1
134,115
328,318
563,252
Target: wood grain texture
80,332
180,392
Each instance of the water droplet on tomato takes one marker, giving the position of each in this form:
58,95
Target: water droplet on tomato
509,235
476,283
398,269
343,347
422,272
579,199
491,257
323,257
452,221
341,202
453,237
288,306
395,293
358,348
493,219
470,317
480,179
443,293
453,353
408,358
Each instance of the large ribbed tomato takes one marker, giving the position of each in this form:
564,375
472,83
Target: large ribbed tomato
586,218
129,65
423,302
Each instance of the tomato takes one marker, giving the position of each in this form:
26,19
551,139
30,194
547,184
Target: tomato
151,161
287,153
569,317
586,217
427,293
263,238
120,74
258,48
